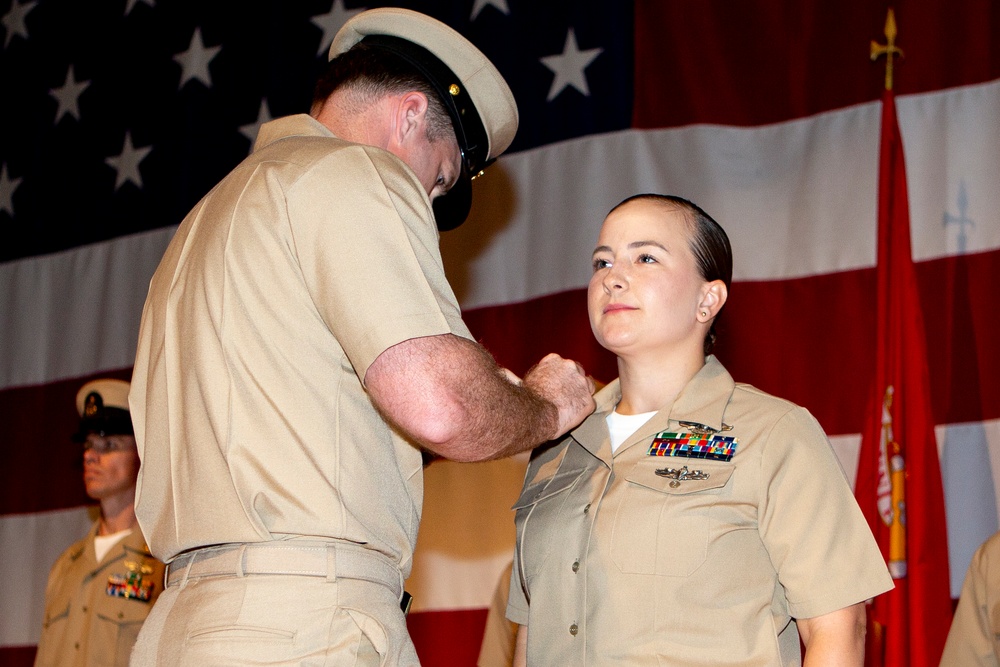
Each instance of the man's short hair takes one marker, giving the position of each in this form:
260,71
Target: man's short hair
371,73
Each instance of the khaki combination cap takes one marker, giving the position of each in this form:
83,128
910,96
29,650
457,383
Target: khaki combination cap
476,96
103,408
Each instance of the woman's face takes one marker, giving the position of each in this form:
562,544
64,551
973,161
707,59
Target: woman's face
646,288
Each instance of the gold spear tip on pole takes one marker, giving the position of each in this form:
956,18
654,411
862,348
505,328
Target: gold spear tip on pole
889,49
890,26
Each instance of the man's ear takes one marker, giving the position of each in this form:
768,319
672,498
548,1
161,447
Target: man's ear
410,116
713,298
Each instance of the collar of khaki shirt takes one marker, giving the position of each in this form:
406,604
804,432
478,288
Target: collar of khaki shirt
703,401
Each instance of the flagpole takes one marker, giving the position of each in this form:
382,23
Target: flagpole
898,484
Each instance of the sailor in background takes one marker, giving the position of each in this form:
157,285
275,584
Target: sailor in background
974,638
101,588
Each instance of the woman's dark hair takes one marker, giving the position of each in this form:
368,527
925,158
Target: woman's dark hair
372,72
709,244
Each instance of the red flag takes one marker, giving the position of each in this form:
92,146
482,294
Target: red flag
899,477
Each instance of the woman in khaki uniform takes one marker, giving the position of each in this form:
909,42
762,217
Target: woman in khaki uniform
690,520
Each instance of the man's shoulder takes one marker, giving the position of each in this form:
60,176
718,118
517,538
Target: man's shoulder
336,162
304,140
75,551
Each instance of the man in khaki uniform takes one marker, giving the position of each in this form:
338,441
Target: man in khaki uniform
300,347
974,638
102,587
633,557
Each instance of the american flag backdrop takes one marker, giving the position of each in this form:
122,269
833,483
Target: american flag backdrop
118,116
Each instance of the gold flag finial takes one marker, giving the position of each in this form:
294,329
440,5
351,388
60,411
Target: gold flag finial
889,49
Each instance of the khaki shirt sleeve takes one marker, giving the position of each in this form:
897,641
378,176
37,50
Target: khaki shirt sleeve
517,602
57,602
366,241
974,638
817,538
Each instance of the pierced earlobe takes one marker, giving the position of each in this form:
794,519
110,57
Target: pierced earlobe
713,299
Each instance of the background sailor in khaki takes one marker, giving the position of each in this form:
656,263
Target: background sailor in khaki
632,555
974,637
101,588
300,346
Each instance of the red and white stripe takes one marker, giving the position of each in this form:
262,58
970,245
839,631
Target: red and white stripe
799,323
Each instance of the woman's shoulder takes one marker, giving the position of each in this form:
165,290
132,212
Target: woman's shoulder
750,400
748,392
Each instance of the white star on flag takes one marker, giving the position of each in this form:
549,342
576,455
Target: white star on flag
13,20
480,5
68,96
569,66
331,22
194,62
126,164
130,5
7,187
250,130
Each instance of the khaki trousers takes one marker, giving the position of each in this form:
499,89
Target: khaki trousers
274,619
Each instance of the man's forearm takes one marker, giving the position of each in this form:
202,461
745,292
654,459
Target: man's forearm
449,395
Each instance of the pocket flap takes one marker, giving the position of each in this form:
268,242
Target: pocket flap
51,616
547,488
700,475
124,611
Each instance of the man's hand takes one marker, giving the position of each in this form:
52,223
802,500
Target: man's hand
448,395
563,383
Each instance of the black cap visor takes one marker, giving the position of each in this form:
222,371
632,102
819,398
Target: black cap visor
107,421
451,210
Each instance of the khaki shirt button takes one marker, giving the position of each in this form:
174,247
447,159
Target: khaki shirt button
84,609
576,565
76,645
586,509
121,615
573,629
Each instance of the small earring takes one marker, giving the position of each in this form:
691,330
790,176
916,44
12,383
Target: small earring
704,313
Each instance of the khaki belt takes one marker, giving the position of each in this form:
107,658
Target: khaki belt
331,560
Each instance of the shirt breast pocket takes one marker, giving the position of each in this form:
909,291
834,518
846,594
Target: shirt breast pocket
538,518
663,521
54,614
117,629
